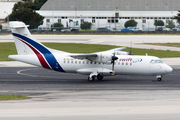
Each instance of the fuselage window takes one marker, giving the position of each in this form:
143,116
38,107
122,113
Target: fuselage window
94,62
79,62
72,62
91,62
130,63
83,62
118,63
68,61
87,62
75,62
122,63
64,61
127,63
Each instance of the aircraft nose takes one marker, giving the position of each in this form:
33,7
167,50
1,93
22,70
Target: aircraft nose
168,69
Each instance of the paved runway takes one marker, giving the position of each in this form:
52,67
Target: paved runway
71,97
119,40
34,80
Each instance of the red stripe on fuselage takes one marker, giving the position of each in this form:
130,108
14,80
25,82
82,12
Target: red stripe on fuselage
40,57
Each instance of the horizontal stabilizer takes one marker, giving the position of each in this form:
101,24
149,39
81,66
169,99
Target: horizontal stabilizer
17,25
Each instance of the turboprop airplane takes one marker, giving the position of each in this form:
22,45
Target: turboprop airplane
95,65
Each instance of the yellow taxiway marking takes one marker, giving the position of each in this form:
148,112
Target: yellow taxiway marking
20,73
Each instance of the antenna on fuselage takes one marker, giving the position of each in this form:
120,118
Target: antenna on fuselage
130,49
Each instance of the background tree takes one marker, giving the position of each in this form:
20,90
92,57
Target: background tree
57,25
25,0
25,12
85,25
158,23
36,5
177,18
24,5
170,24
131,23
39,3
0,26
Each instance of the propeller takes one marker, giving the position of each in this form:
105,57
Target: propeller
130,49
113,59
130,52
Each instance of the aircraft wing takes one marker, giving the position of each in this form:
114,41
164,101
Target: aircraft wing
84,56
113,50
92,56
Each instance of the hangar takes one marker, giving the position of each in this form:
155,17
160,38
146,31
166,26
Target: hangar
108,13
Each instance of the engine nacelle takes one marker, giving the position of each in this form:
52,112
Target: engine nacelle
121,53
103,58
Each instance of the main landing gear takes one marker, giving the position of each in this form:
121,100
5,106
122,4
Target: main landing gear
99,77
93,77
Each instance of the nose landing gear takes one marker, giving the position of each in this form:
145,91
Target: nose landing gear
159,77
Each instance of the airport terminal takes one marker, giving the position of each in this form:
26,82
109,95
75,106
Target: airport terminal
109,13
102,13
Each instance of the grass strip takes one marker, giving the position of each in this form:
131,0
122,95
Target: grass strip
7,49
13,97
165,44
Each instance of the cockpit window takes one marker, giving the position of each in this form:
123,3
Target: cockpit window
156,61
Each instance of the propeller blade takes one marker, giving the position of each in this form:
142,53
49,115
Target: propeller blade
130,52
113,66
130,49
113,59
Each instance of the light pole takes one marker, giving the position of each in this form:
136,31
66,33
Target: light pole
116,15
76,13
120,19
7,16
53,13
98,13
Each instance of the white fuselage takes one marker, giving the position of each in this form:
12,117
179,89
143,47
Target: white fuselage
124,65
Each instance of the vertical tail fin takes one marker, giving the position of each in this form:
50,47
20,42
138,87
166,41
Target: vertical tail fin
27,45
22,38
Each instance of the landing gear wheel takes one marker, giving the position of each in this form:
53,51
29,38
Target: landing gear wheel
159,79
91,78
99,77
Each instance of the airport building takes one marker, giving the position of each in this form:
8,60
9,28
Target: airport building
5,9
109,13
